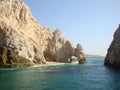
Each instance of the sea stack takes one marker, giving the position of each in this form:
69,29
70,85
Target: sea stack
113,56
24,42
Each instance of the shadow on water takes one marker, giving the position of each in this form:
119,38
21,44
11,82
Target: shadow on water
114,75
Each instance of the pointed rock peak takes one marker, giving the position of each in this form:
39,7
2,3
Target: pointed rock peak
117,32
119,25
57,34
57,31
79,47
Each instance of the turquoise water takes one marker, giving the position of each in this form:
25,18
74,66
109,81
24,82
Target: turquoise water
91,76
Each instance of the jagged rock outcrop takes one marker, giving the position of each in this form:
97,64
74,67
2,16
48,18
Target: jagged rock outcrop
79,54
58,49
21,36
113,56
8,58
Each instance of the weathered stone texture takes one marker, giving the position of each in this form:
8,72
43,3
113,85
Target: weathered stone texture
21,34
113,56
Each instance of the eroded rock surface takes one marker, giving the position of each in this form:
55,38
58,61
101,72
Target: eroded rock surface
113,56
21,34
79,54
58,49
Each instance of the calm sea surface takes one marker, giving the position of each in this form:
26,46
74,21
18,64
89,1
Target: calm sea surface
91,76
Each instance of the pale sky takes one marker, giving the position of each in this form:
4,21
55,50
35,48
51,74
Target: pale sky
91,23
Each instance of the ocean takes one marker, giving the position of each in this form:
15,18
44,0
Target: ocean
91,76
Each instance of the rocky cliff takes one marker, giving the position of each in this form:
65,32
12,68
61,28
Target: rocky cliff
113,56
24,42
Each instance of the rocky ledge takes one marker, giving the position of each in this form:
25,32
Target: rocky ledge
113,56
24,42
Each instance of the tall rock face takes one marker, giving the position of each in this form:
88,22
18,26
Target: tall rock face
113,56
23,40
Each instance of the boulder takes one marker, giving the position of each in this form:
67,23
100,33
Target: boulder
73,59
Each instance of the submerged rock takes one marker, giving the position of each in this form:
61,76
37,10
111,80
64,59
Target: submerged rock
26,40
113,56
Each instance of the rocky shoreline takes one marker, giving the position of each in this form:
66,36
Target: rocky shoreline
24,42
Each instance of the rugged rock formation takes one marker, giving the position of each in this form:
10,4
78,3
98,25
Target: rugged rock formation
79,54
58,48
24,40
113,56
8,58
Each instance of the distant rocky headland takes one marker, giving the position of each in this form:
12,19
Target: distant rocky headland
23,42
94,56
113,56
